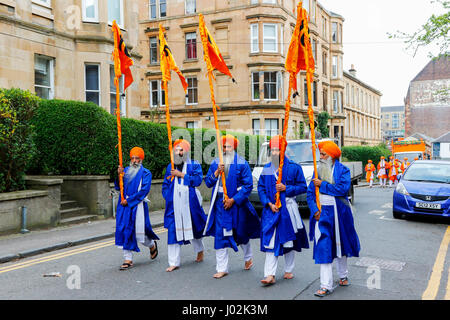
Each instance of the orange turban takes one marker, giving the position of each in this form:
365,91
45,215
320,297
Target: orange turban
330,148
276,142
391,157
231,140
139,152
184,144
370,161
405,158
382,158
416,158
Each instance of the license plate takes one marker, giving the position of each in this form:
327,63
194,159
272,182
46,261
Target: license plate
426,205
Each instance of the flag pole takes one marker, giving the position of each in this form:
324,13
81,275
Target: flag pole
169,129
309,76
213,100
119,125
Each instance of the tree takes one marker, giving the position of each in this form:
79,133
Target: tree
322,120
434,32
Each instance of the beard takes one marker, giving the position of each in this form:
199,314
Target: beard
179,160
325,170
228,158
275,161
132,171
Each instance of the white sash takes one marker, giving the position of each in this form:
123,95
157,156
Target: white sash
182,210
140,220
327,200
382,170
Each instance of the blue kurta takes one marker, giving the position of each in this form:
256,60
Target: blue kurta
295,183
241,217
193,178
126,216
325,247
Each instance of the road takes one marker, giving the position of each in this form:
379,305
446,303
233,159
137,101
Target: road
399,259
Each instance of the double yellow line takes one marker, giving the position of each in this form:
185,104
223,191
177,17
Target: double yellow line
65,254
435,280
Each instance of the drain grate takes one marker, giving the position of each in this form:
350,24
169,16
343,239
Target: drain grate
381,263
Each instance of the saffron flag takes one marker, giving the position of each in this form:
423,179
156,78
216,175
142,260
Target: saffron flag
216,61
122,59
167,61
299,46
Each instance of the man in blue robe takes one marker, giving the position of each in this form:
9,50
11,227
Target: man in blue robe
233,221
132,217
283,231
332,228
184,217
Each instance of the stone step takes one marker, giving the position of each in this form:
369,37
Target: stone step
65,197
77,219
68,204
73,212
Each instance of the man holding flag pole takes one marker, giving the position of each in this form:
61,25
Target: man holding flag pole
232,220
132,215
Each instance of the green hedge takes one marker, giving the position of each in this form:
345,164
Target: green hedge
365,153
78,138
17,107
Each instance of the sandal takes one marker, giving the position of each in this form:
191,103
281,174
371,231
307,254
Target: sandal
126,266
154,253
267,283
343,282
322,292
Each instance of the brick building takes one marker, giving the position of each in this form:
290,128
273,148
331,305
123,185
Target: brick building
427,103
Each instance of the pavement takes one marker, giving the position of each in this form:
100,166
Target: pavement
18,246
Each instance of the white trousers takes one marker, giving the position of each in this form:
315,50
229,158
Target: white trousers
222,257
326,272
128,254
173,251
371,182
271,264
382,181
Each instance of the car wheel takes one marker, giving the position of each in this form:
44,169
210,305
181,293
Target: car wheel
351,194
397,215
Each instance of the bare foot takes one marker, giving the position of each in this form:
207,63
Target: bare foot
199,257
172,268
219,275
248,264
269,280
288,275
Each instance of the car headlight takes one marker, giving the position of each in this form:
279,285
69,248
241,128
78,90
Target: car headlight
401,189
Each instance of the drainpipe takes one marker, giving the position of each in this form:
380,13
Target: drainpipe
24,220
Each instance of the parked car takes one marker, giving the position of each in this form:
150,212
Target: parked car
300,152
424,189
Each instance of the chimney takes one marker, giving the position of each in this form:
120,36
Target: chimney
353,71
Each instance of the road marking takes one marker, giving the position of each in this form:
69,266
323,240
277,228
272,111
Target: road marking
386,219
377,212
387,205
65,254
435,279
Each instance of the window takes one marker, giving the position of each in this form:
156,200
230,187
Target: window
191,45
270,1
254,1
313,11
271,127
306,5
270,38
46,3
337,99
270,86
157,8
281,39
313,92
190,6
191,124
314,49
256,126
157,94
334,32
44,77
334,67
324,26
325,99
254,38
90,10
153,50
324,63
92,77
192,91
115,12
255,86
113,93
395,122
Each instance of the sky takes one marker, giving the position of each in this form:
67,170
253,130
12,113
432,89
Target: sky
384,64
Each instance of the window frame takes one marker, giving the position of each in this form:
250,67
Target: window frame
51,88
122,21
186,45
275,25
254,48
99,91
185,7
271,83
253,85
85,17
123,99
160,94
191,88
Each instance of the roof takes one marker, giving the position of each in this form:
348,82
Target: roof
419,135
436,69
444,138
393,109
353,78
